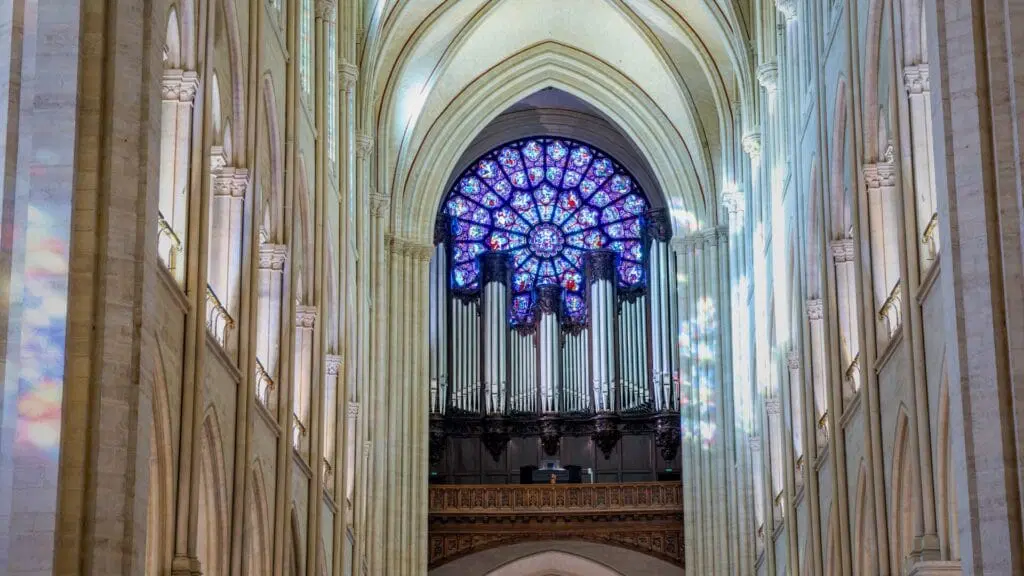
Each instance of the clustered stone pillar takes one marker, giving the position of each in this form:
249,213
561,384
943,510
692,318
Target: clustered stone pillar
916,82
305,327
599,268
549,300
883,210
706,400
332,372
227,211
495,330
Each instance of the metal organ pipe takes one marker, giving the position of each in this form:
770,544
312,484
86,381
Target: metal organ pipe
549,299
600,271
495,325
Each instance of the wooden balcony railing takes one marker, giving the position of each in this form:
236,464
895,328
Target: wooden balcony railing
646,517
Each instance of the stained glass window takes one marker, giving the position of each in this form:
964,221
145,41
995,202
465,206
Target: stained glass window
547,202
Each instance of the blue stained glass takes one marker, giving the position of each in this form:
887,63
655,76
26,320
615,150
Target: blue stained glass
533,152
630,273
519,180
546,202
488,169
545,194
536,176
503,188
571,179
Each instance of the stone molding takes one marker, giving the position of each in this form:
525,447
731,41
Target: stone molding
916,79
842,250
773,406
233,182
752,145
179,85
326,9
273,256
353,410
733,201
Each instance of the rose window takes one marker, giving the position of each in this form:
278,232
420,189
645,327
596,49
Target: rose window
546,202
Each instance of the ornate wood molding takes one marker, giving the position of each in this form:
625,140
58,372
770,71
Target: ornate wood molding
646,517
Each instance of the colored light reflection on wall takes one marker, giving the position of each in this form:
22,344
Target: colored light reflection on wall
43,330
698,342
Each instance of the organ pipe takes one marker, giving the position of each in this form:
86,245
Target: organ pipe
495,303
600,272
438,331
549,299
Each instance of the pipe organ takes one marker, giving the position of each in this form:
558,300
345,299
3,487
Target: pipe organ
553,303
622,358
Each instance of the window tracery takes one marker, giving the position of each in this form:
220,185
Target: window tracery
546,202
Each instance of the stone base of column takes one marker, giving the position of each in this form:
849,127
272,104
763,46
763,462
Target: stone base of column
934,568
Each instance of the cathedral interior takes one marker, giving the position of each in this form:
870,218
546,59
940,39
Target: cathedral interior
512,287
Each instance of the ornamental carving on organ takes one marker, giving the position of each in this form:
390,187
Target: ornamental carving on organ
546,203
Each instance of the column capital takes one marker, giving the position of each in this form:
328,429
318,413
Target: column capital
273,256
326,9
333,364
353,410
915,79
233,182
379,204
879,175
218,158
364,145
755,443
732,201
367,447
787,8
772,406
752,145
842,250
180,85
768,76
793,359
348,74
305,316
815,309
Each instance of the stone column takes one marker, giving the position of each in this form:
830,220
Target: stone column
815,319
178,90
883,213
974,50
846,302
272,259
305,325
227,206
661,332
916,82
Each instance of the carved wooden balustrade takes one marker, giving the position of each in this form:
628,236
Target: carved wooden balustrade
645,516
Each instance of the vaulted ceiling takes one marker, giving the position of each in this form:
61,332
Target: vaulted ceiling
669,75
